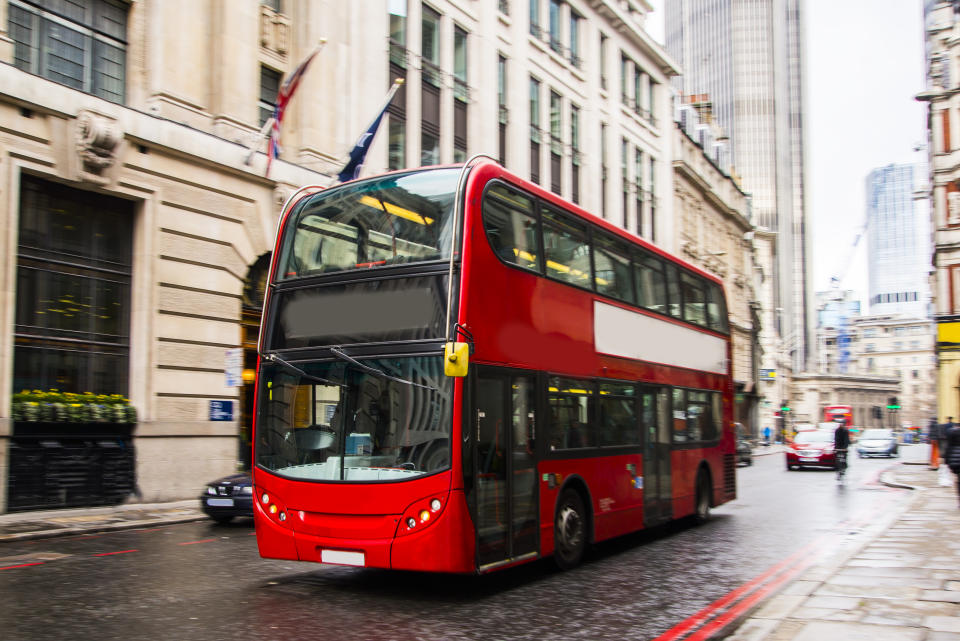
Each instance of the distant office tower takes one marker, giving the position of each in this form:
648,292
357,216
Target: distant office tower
743,59
898,237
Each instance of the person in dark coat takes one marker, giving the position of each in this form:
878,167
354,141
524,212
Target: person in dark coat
951,455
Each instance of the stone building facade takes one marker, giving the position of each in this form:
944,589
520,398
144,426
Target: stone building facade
892,347
942,32
813,392
713,231
123,167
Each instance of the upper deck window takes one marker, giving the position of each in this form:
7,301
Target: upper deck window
382,221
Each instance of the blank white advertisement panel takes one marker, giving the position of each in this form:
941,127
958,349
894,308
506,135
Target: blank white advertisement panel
620,332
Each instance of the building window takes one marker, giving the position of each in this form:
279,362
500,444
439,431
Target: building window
276,5
637,90
502,111
430,87
503,6
624,97
638,169
83,45
430,45
575,160
555,43
397,68
603,61
653,199
398,32
535,18
603,170
269,86
625,180
651,101
72,328
460,95
556,142
575,20
534,130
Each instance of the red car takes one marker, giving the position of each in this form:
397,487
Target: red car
814,448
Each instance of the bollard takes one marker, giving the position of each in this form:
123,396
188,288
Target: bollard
934,454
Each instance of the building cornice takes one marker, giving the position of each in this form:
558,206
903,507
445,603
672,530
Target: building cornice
620,20
202,148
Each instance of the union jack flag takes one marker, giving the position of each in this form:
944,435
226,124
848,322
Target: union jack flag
286,92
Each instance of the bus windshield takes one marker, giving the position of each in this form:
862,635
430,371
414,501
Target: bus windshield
373,223
339,421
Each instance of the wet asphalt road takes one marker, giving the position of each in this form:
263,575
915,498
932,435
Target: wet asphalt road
205,581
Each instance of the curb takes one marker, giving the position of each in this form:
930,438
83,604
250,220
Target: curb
732,630
96,529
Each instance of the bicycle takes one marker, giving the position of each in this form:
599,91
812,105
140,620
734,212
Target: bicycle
840,464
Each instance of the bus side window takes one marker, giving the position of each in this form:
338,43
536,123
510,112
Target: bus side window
716,308
566,250
693,299
680,433
673,291
612,269
651,286
511,227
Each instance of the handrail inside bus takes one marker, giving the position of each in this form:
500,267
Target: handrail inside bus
273,257
453,237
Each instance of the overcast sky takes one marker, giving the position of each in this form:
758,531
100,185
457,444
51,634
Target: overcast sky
864,65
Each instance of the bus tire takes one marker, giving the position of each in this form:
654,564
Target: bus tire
701,506
569,530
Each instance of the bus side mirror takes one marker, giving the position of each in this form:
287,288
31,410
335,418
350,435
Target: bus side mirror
456,358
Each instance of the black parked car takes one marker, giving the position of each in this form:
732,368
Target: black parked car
228,497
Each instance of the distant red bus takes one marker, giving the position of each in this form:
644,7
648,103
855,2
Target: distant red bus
833,412
598,398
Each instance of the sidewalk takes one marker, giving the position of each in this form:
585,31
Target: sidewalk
893,579
21,526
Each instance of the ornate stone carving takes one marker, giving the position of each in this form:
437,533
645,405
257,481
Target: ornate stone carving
98,141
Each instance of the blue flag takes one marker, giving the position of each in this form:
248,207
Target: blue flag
352,169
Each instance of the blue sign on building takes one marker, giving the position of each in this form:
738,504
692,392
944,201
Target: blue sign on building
221,410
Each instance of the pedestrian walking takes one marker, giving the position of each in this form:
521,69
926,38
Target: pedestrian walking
951,454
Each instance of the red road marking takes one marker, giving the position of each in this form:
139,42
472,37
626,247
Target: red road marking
195,542
112,553
730,615
23,565
706,613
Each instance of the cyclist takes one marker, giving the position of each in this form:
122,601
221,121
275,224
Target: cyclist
841,442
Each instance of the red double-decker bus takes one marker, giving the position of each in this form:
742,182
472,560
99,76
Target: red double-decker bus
585,391
833,412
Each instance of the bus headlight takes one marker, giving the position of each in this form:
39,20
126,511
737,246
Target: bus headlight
421,513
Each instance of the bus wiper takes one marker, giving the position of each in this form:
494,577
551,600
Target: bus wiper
336,351
274,358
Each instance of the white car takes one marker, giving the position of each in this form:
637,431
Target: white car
877,442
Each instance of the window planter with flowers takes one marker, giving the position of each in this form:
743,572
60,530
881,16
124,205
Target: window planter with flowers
70,450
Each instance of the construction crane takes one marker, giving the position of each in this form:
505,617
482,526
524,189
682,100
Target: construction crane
841,273
843,331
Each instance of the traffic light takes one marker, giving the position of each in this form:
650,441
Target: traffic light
893,403
785,406
877,411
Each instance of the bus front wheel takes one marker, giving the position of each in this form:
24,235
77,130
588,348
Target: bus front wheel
570,530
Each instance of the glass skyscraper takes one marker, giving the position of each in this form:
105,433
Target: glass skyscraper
743,57
898,243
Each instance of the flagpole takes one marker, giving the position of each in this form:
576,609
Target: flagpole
265,130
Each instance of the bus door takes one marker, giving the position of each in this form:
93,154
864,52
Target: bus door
657,484
504,424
